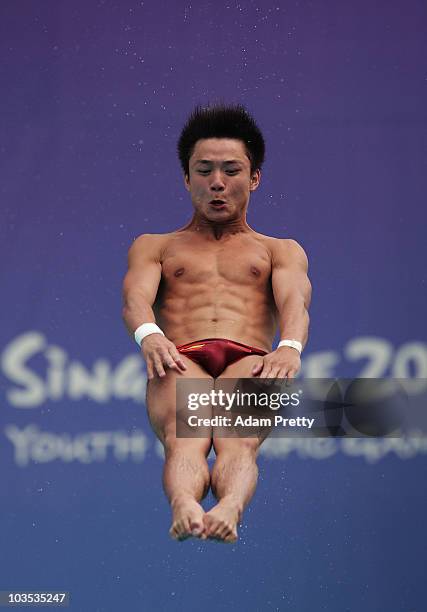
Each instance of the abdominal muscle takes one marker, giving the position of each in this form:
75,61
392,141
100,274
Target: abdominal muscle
243,313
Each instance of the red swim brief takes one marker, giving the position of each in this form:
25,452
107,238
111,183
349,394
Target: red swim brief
215,354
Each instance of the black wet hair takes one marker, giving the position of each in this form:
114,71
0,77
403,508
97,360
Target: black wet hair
221,121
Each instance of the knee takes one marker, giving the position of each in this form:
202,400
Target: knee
243,447
193,447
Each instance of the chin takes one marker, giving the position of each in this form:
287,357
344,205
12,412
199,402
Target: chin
224,215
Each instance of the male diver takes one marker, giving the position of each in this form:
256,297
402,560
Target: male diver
204,301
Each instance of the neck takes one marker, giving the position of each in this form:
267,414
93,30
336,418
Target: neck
217,229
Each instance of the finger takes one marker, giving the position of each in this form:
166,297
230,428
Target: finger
291,376
282,374
177,358
169,361
181,363
265,371
257,368
272,375
150,373
159,367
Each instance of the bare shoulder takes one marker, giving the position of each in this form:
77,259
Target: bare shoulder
285,251
149,245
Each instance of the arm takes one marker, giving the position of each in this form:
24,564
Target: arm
292,295
292,291
141,282
140,288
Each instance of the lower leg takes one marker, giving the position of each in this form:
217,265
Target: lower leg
186,481
234,478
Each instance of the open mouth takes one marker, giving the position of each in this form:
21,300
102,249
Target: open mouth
217,202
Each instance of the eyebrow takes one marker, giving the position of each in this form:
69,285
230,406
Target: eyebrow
208,161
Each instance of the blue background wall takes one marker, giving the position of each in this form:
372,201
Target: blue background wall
93,96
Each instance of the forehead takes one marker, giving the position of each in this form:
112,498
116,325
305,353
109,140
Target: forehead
219,149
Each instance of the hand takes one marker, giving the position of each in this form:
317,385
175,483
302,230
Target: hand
159,352
284,362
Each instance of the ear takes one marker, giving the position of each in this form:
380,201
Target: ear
255,180
187,182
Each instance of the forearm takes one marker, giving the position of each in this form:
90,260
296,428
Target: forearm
294,320
136,310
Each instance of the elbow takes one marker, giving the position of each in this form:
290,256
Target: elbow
126,306
125,303
307,294
126,317
125,313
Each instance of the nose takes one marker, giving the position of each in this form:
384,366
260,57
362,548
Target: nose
217,182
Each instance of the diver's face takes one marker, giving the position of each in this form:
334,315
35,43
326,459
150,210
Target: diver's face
220,180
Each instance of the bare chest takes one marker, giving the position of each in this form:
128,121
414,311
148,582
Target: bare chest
235,262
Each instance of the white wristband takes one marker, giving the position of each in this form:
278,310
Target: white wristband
144,330
292,343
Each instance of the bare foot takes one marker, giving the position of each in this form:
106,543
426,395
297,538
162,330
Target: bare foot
221,522
187,519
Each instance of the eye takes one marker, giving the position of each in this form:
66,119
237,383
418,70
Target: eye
229,172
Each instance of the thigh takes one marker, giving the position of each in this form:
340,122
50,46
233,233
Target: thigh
238,445
239,369
162,399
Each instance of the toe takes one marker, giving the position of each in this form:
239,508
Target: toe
196,530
